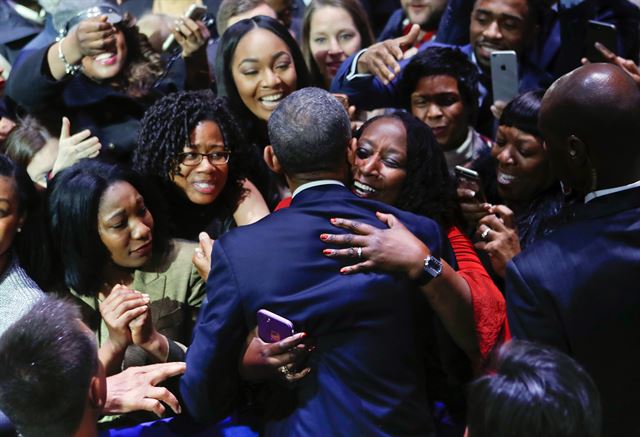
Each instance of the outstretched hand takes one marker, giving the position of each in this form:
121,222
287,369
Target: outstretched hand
134,389
392,249
381,59
73,148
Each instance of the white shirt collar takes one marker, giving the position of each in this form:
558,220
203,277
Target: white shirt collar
599,193
316,184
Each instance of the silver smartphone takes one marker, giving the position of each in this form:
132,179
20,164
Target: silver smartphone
196,13
504,75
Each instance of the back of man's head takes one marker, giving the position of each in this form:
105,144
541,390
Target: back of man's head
309,132
47,361
533,391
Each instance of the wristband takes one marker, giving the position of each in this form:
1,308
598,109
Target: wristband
70,69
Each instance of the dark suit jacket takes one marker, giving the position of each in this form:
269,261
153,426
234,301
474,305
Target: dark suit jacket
367,371
577,290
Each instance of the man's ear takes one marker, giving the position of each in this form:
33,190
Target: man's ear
272,160
98,392
351,151
577,150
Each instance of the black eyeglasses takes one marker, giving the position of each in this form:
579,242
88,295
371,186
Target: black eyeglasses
192,159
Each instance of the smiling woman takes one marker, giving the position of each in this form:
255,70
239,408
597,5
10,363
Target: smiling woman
258,64
140,292
191,146
103,74
333,30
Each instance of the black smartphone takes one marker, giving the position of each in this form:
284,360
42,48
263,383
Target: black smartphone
605,34
470,179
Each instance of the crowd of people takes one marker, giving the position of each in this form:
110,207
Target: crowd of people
434,260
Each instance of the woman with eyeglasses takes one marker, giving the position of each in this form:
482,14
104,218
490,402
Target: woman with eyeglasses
190,144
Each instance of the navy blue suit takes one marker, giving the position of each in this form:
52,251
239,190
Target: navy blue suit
367,371
578,290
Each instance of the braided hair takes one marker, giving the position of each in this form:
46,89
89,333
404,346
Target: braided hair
165,130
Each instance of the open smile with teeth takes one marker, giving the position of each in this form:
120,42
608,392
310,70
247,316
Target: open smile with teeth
272,100
106,58
505,179
363,189
204,187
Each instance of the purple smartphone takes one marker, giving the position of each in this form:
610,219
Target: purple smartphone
272,327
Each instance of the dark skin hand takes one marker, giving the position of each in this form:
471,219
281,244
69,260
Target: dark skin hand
501,242
264,361
396,249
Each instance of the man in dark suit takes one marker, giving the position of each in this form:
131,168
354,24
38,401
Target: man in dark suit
367,370
577,290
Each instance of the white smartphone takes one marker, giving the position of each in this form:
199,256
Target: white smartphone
196,13
504,75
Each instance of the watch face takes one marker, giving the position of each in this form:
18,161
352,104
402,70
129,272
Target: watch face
432,266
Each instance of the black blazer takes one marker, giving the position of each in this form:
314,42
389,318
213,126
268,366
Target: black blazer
367,371
578,290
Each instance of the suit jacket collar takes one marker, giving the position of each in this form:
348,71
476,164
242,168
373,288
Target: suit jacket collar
609,204
322,192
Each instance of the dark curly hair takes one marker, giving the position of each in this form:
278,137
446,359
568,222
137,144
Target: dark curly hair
144,66
445,61
429,188
166,127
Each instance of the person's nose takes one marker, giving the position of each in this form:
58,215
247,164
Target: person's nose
492,31
433,111
334,47
505,156
141,230
270,79
370,166
205,165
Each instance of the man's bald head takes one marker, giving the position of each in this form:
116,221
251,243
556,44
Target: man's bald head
590,119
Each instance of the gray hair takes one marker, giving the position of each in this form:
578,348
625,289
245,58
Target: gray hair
309,132
47,360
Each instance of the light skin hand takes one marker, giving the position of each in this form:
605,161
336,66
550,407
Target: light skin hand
191,35
201,258
381,59
392,249
261,361
73,148
134,389
502,242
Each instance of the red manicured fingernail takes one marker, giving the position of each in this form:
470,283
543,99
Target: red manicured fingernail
333,220
324,237
327,251
344,270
